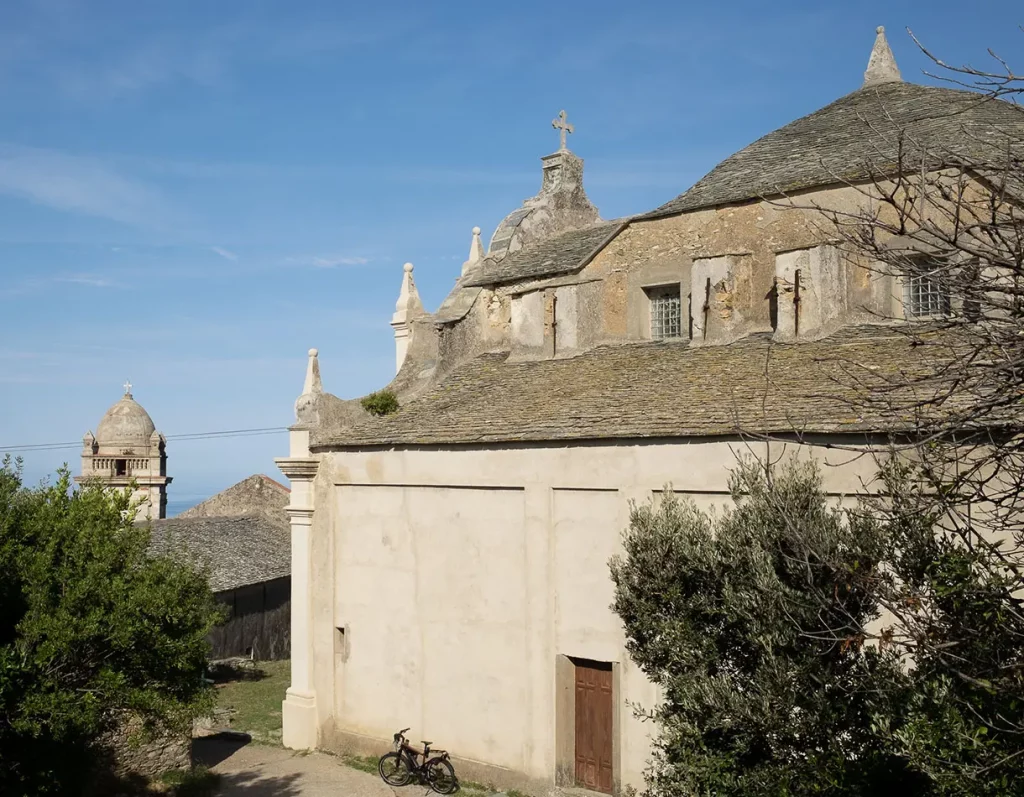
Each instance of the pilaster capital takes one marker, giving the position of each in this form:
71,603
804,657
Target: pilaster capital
298,469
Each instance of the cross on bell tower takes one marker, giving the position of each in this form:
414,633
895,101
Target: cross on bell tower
561,124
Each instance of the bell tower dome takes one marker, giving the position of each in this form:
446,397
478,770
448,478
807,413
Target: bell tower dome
126,448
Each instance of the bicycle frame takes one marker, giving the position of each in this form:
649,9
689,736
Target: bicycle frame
420,763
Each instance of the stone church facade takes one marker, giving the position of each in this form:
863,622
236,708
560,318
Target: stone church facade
449,561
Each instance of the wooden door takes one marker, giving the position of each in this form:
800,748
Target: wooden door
594,725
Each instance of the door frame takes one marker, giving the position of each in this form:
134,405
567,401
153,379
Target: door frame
565,722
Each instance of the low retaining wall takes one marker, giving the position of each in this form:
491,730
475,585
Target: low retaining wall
134,751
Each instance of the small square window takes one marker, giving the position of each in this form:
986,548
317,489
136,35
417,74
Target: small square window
666,312
924,294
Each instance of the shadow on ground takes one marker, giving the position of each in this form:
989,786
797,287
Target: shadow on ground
227,671
211,750
252,784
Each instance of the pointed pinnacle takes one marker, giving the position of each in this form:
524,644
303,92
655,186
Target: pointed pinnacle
882,64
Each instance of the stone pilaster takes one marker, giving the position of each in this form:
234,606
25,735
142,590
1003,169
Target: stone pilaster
299,710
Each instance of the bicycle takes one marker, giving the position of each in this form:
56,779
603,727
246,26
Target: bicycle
400,766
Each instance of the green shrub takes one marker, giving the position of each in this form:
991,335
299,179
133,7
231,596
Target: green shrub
383,402
90,626
782,676
733,615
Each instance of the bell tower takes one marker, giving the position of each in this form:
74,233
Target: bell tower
126,448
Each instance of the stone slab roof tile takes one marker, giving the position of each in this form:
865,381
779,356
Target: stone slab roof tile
855,137
256,493
559,254
238,551
649,390
457,304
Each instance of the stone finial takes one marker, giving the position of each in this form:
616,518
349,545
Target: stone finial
312,383
408,304
407,308
476,252
561,124
882,64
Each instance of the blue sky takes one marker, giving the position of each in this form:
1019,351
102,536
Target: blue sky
194,193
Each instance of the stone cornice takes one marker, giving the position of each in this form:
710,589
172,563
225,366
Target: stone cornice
298,468
300,516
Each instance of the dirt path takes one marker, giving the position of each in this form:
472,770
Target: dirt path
253,770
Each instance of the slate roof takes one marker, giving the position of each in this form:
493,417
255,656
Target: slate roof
456,304
653,390
238,551
256,493
854,137
559,254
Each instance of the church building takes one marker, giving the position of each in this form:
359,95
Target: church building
450,559
128,447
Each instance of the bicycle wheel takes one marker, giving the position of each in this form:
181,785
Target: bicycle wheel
394,769
441,776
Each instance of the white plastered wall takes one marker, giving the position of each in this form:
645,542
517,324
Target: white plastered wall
460,576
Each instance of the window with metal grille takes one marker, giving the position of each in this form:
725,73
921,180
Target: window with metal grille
666,312
924,294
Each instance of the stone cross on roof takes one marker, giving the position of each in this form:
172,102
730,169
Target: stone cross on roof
127,387
562,125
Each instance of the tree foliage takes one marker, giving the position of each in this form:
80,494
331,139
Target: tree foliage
724,613
91,627
951,217
770,628
952,606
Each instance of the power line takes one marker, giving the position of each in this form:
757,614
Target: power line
184,436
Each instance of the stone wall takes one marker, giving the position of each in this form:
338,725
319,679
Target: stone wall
134,751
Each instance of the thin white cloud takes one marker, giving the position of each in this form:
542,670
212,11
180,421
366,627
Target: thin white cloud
91,62
85,279
227,254
37,284
79,184
325,261
160,61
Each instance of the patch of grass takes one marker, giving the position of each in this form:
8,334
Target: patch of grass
197,782
364,763
368,763
473,786
472,789
253,704
468,788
